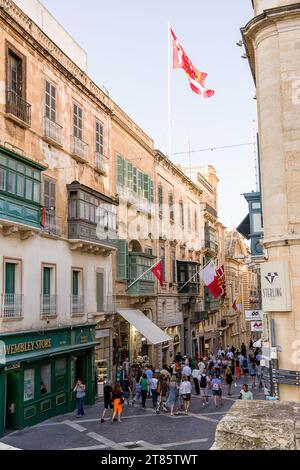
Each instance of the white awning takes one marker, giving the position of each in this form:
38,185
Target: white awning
145,326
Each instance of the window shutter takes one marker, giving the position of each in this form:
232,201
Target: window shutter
122,260
151,194
10,277
100,292
140,182
146,187
49,193
135,182
129,182
120,170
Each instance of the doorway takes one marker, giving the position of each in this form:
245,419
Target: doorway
12,400
81,368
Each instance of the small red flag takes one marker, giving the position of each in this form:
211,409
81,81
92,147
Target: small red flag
158,272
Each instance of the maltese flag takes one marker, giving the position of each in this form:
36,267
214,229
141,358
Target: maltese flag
210,278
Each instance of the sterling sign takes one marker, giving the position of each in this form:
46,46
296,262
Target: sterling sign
276,287
253,315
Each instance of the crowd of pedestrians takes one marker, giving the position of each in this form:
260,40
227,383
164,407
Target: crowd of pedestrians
171,387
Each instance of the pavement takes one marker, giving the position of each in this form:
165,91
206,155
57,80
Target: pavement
139,429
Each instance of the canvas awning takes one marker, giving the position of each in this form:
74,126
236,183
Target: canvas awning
144,326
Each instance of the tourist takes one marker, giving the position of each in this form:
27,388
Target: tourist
153,389
185,391
253,371
259,375
137,389
245,367
216,386
203,384
245,393
237,369
149,374
79,390
144,389
173,398
117,402
107,395
162,391
187,372
195,375
228,380
243,349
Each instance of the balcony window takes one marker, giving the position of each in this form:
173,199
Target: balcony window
12,299
77,121
48,306
50,101
77,298
99,138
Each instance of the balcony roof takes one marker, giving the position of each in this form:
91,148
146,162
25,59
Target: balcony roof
75,185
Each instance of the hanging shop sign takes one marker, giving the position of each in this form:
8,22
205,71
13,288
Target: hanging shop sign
251,315
276,287
256,326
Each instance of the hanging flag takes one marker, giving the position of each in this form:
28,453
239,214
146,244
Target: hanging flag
210,279
195,77
158,272
221,279
237,305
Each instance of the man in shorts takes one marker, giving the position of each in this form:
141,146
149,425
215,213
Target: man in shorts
107,392
203,383
216,386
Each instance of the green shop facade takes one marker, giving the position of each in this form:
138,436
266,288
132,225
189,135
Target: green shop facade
38,372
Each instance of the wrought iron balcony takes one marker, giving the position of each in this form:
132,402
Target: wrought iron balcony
50,223
52,131
212,305
48,305
101,163
208,208
77,304
79,149
11,306
16,106
211,245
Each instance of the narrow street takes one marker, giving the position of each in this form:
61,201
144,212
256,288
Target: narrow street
139,429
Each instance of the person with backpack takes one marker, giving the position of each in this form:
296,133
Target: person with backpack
228,380
125,387
203,384
144,389
216,386
245,366
195,375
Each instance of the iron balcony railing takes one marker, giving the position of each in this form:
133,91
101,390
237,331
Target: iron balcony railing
52,130
101,163
48,305
11,306
79,148
77,304
18,107
50,222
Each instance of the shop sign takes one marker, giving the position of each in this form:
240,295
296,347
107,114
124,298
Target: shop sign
11,349
253,315
14,366
256,326
102,333
276,287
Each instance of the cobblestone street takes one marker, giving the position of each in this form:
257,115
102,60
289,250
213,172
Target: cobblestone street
139,429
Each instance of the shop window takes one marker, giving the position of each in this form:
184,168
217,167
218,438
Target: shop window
45,386
60,373
29,375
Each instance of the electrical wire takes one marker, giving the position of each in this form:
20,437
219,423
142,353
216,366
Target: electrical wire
214,148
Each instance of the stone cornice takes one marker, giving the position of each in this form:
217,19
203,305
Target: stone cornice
265,19
16,19
283,240
160,158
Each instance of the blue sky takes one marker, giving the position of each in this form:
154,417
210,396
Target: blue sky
126,42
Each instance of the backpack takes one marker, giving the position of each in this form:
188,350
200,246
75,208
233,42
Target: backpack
216,386
203,381
245,363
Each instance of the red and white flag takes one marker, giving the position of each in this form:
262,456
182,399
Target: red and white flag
158,272
195,77
221,279
211,279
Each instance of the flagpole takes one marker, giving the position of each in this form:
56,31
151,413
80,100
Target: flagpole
143,274
169,94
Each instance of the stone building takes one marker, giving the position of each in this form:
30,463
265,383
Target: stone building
272,40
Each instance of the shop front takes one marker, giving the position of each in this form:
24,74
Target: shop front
103,358
171,348
38,371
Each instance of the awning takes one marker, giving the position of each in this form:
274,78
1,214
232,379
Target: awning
244,227
145,326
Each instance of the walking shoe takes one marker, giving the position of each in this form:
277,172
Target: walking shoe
78,416
102,420
119,421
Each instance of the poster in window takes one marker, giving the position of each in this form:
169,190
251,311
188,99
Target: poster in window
28,384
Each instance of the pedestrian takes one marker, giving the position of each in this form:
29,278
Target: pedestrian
162,391
177,369
201,365
216,386
79,390
187,372
228,380
173,398
243,349
117,402
185,391
245,367
149,374
203,384
125,387
144,389
245,393
237,369
107,395
137,391
253,371
195,375
259,375
153,388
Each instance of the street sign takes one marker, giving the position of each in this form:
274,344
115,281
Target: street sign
257,326
286,382
286,372
253,315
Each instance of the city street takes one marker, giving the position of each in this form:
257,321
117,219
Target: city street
139,429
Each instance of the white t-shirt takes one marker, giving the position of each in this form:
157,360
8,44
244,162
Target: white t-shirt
201,367
195,373
185,387
153,384
187,371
